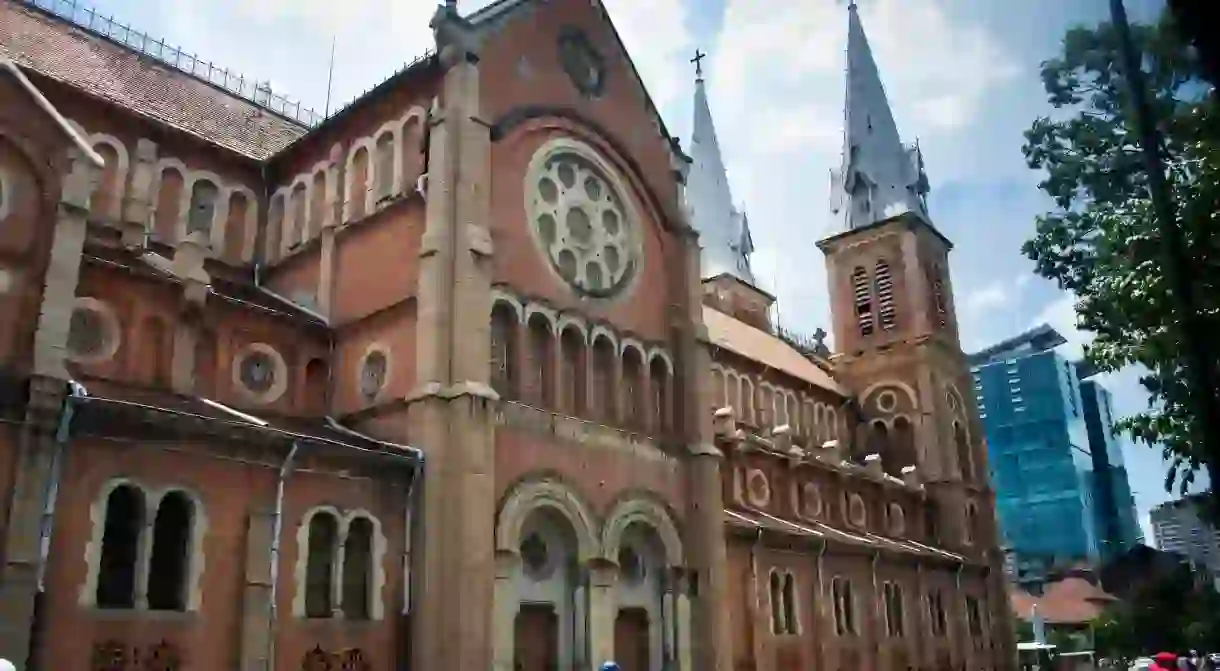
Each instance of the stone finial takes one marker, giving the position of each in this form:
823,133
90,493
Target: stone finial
724,422
456,39
832,451
910,476
872,463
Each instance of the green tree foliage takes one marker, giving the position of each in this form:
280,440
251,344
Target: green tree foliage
1101,241
1176,613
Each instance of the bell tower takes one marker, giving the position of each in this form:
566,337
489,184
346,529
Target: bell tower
895,322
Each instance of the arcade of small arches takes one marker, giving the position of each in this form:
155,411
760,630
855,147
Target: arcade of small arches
146,553
570,591
557,361
761,404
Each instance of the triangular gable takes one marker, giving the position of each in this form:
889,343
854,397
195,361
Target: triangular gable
7,65
498,13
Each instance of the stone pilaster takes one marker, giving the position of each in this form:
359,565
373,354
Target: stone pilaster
138,203
257,592
603,610
706,550
331,214
22,539
451,412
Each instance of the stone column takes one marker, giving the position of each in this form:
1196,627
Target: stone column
602,611
705,550
451,411
506,606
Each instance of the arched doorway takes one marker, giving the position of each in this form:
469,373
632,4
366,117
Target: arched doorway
640,643
546,634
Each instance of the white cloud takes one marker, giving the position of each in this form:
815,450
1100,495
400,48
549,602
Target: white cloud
1061,314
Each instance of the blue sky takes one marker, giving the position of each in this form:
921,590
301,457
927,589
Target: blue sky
962,77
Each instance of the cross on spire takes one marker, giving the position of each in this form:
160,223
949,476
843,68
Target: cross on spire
698,61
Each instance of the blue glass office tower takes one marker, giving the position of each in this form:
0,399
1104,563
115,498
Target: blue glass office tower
1116,520
1038,448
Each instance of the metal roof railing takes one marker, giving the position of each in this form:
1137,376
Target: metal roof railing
253,90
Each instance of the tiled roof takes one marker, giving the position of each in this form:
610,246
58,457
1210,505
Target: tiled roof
1068,601
78,58
765,348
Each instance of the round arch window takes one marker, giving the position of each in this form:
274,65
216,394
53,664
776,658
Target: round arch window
581,220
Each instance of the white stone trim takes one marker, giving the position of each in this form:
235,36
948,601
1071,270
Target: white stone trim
499,296
649,513
532,495
567,319
278,387
658,353
899,384
151,498
632,343
602,331
547,313
112,334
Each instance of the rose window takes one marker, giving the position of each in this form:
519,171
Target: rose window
582,225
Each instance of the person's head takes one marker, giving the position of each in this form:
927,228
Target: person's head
6,665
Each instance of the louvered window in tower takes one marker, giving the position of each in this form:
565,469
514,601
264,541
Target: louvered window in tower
864,300
937,286
885,295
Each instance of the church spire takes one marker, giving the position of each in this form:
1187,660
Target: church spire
724,232
880,177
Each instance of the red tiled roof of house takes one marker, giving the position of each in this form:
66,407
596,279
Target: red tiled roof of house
73,56
1068,601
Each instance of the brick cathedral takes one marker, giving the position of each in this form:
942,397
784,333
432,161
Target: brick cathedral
472,374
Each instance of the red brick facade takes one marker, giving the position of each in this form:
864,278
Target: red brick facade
221,332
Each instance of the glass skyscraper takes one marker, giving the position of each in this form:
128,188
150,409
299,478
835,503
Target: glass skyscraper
1057,493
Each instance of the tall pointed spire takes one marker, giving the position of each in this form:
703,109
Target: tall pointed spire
880,177
724,232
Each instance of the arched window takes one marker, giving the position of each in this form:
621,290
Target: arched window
863,299
235,227
885,295
895,616
320,565
777,605
936,286
117,566
633,403
107,197
878,440
604,387
317,204
844,607
358,569
297,228
357,195
541,362
384,172
275,229
789,594
170,560
317,379
964,461
504,350
169,203
203,208
659,374
902,453
572,373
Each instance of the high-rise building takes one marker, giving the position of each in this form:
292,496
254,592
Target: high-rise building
1178,527
1038,446
1116,521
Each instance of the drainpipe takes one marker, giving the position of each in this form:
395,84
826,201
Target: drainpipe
277,527
76,394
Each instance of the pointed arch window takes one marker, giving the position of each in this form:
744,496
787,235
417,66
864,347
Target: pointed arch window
844,607
863,295
170,561
884,284
357,569
320,565
203,207
117,566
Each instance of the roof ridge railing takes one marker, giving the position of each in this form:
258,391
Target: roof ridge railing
252,90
